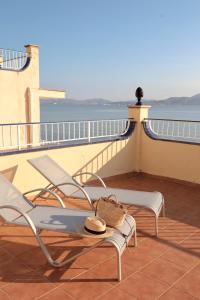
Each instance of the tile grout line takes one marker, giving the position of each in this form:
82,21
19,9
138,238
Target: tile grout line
118,284
52,290
154,259
84,271
4,292
181,277
143,239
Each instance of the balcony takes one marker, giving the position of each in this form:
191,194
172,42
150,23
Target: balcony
13,60
155,155
163,268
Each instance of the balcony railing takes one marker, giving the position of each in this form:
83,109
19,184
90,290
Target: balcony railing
175,130
24,135
12,59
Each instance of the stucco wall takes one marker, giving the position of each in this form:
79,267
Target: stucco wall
14,91
170,159
105,159
163,158
20,91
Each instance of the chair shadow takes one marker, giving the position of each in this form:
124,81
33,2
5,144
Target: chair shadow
57,246
110,158
45,272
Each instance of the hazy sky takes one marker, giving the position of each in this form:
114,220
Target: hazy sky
107,48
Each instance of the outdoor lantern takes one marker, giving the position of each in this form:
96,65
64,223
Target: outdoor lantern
139,94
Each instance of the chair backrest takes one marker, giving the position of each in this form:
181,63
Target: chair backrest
9,195
53,172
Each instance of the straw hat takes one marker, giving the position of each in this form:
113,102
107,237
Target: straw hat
96,227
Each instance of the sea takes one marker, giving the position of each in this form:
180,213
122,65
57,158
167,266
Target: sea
58,112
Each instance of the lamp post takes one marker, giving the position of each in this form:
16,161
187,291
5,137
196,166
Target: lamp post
139,94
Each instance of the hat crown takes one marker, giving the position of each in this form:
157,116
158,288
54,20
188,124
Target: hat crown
95,223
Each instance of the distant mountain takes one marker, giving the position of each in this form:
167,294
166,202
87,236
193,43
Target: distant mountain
95,101
194,100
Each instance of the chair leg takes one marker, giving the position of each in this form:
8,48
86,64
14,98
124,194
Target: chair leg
119,266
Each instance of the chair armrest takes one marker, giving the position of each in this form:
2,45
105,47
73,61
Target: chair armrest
47,191
25,215
79,188
94,175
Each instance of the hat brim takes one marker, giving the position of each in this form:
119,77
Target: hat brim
108,233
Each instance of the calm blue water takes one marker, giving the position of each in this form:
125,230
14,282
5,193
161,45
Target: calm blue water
66,112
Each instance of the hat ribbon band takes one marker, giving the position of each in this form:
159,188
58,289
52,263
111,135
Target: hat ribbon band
94,232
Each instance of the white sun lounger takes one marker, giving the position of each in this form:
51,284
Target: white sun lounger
59,178
16,209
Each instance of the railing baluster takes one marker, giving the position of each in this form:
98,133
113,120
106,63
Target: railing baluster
52,132
58,132
46,132
13,60
69,127
74,131
89,138
18,137
176,130
63,131
38,134
10,136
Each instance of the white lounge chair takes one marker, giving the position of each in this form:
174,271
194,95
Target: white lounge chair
59,178
16,209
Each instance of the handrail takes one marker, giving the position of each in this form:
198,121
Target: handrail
54,122
178,120
184,131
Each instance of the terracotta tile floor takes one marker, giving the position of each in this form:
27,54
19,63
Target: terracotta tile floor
167,267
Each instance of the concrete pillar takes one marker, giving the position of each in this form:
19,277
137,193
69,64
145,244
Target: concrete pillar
33,53
138,113
32,96
32,104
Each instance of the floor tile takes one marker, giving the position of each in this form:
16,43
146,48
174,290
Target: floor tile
4,296
29,289
181,257
176,294
95,256
191,282
61,275
5,256
107,271
35,259
117,294
162,270
86,286
56,294
136,259
13,271
153,247
143,288
148,270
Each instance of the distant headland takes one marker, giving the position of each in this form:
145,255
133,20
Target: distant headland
194,100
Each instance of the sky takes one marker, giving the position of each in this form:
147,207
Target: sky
107,48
